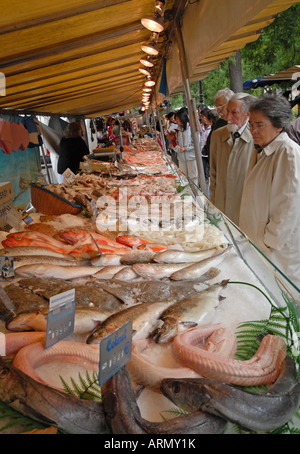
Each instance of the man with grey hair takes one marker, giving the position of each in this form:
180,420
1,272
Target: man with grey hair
221,99
230,151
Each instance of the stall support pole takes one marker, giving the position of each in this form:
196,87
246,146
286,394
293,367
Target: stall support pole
46,166
192,113
162,136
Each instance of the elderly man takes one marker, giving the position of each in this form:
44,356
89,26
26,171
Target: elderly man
230,151
221,100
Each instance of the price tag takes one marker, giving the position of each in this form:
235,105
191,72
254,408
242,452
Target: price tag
69,176
115,351
7,272
61,317
2,345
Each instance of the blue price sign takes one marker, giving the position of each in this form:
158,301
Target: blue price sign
115,352
61,317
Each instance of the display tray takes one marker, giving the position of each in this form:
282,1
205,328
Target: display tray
47,202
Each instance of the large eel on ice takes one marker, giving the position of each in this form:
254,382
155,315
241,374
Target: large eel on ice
257,411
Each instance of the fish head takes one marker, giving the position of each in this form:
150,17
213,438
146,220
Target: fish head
99,333
185,393
11,388
28,321
166,332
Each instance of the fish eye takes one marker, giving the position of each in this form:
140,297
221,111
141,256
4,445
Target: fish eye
176,387
3,373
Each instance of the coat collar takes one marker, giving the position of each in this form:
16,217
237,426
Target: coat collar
245,135
273,146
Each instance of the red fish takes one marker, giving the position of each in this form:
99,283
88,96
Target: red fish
35,239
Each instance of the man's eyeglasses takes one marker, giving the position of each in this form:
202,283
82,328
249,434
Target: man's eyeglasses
221,106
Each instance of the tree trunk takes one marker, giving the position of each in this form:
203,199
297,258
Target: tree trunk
235,73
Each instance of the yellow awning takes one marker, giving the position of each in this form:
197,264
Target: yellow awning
81,57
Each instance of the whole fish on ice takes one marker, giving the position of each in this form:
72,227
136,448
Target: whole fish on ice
196,309
86,319
23,251
175,256
56,271
198,268
143,317
157,270
37,239
123,415
258,411
45,259
48,405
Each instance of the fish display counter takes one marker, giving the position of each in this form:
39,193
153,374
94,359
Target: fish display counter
214,325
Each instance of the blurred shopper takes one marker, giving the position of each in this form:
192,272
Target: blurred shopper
72,148
270,214
185,147
208,120
294,131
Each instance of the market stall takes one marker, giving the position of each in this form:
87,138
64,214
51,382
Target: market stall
129,253
138,245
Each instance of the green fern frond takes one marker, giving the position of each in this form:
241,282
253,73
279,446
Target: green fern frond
13,419
84,388
174,412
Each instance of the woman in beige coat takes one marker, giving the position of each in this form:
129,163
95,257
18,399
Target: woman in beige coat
270,214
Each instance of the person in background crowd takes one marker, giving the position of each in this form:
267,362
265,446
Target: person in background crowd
72,148
270,214
170,134
221,99
185,146
294,131
209,118
230,150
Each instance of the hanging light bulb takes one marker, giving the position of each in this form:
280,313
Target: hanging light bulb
147,61
145,71
149,83
150,48
155,23
147,90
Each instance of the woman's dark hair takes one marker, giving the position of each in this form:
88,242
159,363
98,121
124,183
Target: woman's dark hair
276,108
170,115
212,115
73,129
183,116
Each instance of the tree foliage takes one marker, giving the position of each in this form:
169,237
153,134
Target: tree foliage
277,48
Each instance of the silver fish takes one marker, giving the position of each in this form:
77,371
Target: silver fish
157,270
106,260
258,411
123,415
137,256
48,405
197,269
18,251
56,271
86,319
126,274
143,317
196,309
41,259
175,256
108,272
